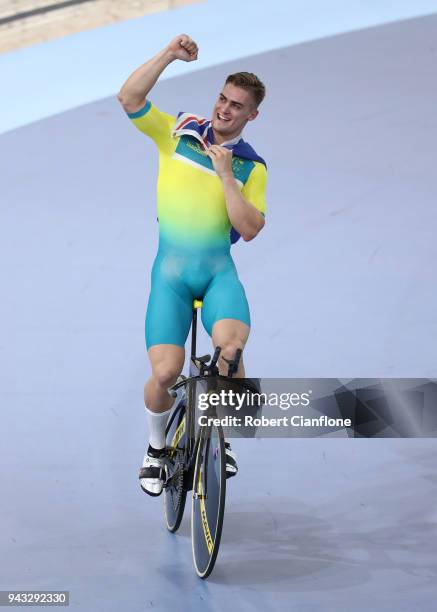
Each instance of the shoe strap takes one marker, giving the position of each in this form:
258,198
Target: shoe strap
156,453
151,472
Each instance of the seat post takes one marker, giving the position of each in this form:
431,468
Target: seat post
197,303
194,333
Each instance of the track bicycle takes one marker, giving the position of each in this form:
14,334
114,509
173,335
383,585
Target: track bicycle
196,456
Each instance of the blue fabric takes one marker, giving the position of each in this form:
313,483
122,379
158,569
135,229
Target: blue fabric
141,112
178,278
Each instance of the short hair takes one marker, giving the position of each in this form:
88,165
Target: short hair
250,82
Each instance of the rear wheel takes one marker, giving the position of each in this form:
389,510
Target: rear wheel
175,492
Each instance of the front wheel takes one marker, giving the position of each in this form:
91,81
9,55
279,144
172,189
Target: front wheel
208,505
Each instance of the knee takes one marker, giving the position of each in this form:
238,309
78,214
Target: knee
165,375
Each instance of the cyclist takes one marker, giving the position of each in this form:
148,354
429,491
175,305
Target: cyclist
211,191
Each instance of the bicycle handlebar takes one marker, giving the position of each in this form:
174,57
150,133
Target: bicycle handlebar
211,369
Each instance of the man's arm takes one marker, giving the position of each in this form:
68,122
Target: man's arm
132,95
244,216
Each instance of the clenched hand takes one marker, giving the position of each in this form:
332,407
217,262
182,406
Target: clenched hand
184,48
221,160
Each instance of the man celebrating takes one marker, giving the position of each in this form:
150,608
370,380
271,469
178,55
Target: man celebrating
211,191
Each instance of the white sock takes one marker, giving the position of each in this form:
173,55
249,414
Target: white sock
157,422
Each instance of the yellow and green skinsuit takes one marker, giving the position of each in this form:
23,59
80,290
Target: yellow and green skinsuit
193,259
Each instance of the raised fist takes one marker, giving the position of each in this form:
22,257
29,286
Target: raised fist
184,48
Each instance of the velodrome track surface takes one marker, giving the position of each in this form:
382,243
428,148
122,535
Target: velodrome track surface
340,283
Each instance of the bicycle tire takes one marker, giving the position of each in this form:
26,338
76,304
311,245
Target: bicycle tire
207,513
175,493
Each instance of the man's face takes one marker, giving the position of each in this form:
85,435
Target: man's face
234,108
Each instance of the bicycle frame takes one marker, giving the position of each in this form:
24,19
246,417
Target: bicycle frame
200,369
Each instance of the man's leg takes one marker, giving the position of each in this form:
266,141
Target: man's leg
168,320
230,335
226,317
167,361
225,314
